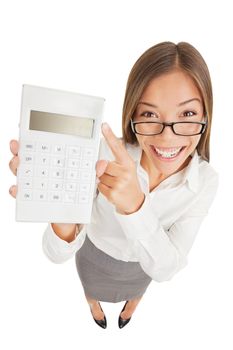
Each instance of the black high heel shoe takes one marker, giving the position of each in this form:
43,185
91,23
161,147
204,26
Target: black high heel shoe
102,323
122,323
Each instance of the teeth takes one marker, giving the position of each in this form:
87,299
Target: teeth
172,152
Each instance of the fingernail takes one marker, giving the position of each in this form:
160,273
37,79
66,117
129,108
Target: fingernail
105,126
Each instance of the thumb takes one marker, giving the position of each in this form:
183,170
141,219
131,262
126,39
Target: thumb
100,167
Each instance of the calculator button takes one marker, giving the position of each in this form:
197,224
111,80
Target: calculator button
88,152
28,146
26,183
27,158
41,184
84,188
56,185
26,171
57,173
86,164
73,163
58,162
74,151
69,197
42,172
44,147
85,176
40,196
72,174
43,159
55,197
26,195
59,149
71,186
83,198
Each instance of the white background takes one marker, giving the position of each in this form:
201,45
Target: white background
90,47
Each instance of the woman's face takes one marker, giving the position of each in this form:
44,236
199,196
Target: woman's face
172,97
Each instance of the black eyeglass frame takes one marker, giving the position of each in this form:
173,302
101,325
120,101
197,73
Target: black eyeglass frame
133,123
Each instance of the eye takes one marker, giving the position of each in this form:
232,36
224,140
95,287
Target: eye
189,114
148,114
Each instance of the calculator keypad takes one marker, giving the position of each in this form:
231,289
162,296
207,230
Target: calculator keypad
55,173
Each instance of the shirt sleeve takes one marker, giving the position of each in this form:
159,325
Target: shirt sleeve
162,253
56,249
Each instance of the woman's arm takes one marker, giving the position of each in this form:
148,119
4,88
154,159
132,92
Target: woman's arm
60,245
162,253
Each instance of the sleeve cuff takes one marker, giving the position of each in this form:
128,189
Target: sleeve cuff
141,224
58,250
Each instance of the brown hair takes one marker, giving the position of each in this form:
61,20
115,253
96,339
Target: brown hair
164,58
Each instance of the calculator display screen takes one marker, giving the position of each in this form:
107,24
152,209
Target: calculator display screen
61,124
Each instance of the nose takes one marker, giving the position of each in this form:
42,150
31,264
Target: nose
167,133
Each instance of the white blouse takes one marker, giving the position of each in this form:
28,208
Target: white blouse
161,233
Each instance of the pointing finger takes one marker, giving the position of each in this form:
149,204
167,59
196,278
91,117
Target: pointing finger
116,146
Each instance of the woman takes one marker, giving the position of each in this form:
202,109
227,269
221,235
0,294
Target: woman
155,185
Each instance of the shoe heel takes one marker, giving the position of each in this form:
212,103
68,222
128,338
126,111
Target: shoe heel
122,323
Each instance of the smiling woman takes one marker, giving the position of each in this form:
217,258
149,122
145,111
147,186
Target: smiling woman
168,77
154,188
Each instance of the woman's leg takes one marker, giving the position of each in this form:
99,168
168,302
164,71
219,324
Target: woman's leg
95,308
130,308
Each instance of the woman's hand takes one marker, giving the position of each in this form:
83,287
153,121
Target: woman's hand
14,163
118,179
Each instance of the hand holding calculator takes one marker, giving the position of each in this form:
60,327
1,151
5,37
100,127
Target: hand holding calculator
59,143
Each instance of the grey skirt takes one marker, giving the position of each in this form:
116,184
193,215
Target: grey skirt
107,279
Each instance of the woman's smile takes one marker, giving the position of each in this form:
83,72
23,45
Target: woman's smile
167,153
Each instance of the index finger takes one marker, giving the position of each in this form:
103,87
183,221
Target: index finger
117,148
14,147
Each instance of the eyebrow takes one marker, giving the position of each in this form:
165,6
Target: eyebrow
180,104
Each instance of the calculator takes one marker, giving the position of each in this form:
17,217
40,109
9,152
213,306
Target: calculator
59,141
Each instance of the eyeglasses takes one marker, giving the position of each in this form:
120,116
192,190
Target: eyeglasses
179,128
